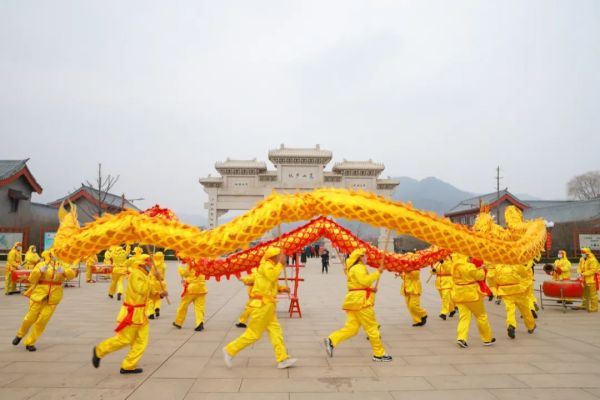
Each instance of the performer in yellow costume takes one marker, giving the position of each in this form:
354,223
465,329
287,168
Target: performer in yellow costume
89,264
589,270
154,299
45,293
13,262
512,284
562,267
443,283
194,291
133,326
411,290
532,300
490,280
467,295
247,280
263,317
31,258
358,304
118,256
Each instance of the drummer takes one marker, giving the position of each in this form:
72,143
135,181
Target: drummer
562,267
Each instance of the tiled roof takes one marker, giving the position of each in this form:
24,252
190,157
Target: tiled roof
111,200
475,202
11,170
344,165
241,164
567,212
300,152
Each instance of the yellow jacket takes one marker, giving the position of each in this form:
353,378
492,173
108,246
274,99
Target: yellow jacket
194,282
491,270
248,280
565,268
31,258
13,259
108,256
91,261
138,289
512,279
411,283
48,284
119,260
588,269
359,283
266,284
443,275
465,277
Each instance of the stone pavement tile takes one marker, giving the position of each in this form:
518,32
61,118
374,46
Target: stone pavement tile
561,380
541,394
244,372
215,385
162,389
358,361
342,396
237,396
181,367
381,384
440,360
475,382
18,393
20,354
79,379
328,372
595,392
568,367
8,377
80,394
291,385
238,361
407,351
199,349
389,370
515,358
478,394
497,369
271,362
41,367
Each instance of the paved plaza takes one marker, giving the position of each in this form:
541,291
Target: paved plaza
561,360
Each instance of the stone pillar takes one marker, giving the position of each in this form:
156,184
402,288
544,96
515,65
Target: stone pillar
381,241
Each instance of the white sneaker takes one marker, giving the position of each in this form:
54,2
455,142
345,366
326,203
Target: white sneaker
227,358
288,362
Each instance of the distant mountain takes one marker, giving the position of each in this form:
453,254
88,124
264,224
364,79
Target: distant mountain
193,219
429,194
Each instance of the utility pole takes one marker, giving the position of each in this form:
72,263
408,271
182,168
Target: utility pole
498,177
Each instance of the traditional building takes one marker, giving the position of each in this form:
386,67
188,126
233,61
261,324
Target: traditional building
242,183
89,201
20,218
467,210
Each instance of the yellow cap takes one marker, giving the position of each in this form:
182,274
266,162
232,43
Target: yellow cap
355,255
271,252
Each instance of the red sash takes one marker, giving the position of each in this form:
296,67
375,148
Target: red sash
369,290
128,320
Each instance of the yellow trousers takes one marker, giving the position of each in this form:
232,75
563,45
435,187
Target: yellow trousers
245,314
261,319
491,282
152,305
590,298
88,273
136,336
464,320
356,319
116,284
413,303
37,316
521,302
447,303
9,285
198,300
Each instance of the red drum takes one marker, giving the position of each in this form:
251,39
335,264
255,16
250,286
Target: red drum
21,275
570,289
102,269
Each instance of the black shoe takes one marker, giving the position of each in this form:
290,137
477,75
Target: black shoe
443,316
30,348
490,297
241,325
462,344
176,326
132,371
511,331
111,296
95,358
383,358
535,316
16,340
498,301
491,342
530,331
157,312
453,312
119,296
418,323
151,316
200,327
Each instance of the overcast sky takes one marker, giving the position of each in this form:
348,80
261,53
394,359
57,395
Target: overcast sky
160,91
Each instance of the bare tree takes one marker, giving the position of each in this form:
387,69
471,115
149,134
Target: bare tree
585,186
102,188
